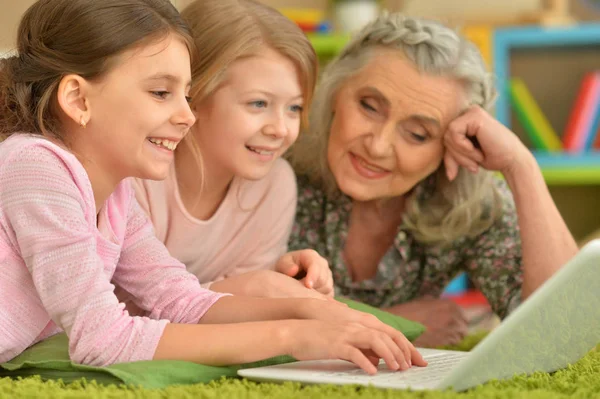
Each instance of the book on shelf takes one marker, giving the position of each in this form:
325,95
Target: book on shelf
535,123
582,125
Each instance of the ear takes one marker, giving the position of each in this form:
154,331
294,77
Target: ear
72,99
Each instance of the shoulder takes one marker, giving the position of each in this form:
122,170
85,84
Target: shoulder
21,147
28,157
280,177
277,187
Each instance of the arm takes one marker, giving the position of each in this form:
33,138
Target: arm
547,243
546,240
155,281
53,226
343,333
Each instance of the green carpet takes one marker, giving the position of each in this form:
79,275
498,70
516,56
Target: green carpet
581,380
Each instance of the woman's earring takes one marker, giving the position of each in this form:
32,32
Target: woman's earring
82,122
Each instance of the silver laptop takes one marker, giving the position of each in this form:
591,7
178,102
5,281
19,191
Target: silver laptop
554,327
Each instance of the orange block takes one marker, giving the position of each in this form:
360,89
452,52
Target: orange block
481,36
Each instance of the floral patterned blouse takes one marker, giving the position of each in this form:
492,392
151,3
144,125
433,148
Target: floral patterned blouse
410,270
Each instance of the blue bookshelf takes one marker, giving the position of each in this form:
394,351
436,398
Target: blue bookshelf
507,39
558,168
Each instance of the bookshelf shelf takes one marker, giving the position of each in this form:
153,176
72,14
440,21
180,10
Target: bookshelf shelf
507,39
564,169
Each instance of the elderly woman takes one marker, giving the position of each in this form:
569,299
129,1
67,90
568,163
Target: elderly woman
397,186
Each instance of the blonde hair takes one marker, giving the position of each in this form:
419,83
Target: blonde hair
227,30
465,207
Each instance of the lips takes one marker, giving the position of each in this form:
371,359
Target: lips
167,144
262,150
367,169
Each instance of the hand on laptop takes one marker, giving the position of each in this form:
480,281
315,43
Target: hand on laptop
372,339
355,342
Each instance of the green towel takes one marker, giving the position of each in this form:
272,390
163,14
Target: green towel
50,360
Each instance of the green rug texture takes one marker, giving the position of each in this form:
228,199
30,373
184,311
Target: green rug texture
581,380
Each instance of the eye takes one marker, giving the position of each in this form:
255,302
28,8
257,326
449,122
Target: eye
418,137
188,99
296,108
365,104
258,104
160,94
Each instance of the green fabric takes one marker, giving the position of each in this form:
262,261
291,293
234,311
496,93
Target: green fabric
50,360
410,329
579,381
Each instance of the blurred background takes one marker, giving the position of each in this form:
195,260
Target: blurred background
544,53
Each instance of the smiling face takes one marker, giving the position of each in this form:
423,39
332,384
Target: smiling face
252,118
139,112
388,125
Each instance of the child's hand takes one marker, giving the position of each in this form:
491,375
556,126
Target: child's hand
344,318
314,266
354,342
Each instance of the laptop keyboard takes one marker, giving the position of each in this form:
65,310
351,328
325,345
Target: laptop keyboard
438,366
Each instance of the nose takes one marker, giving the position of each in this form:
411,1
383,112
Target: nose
380,143
183,115
277,126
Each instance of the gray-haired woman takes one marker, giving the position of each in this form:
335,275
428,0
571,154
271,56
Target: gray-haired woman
396,187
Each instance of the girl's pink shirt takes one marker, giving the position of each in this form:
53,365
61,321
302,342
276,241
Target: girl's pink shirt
60,258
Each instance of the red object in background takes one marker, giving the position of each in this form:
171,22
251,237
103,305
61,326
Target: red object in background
597,142
307,26
583,113
469,298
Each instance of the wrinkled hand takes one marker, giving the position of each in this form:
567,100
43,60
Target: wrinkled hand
354,342
314,266
498,148
445,321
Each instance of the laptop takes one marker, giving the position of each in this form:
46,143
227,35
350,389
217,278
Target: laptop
556,326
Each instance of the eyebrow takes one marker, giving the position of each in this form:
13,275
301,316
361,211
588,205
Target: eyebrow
168,77
417,117
269,94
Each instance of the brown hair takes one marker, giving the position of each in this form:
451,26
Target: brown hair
227,30
83,37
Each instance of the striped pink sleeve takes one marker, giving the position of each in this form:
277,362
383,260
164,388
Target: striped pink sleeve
48,210
157,282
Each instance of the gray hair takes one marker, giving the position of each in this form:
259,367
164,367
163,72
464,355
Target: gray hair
465,207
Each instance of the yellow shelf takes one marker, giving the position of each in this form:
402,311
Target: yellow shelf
571,177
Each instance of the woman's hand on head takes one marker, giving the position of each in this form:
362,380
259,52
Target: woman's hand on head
477,139
313,268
